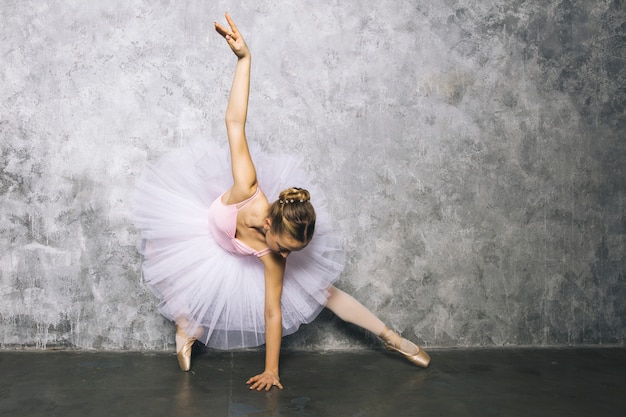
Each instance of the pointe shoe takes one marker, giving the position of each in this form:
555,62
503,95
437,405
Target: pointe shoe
184,354
420,359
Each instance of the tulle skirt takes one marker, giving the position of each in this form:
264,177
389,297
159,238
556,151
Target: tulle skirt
215,295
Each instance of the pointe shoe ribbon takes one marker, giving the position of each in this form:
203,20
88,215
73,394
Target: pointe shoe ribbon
184,354
420,359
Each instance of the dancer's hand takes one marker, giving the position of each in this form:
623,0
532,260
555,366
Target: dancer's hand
233,37
264,381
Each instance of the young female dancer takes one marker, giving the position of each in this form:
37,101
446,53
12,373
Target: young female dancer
217,260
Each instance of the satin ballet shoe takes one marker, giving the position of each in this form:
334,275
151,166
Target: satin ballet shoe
184,354
420,359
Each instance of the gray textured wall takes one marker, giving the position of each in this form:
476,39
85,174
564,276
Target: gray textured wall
473,152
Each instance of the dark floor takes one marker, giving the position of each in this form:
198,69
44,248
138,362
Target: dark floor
502,382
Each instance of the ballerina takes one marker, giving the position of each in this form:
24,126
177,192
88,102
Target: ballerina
218,260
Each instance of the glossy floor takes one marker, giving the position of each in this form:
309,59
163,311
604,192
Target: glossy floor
501,382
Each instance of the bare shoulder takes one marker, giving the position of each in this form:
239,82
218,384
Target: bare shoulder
254,214
236,195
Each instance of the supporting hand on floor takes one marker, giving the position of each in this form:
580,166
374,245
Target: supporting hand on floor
265,381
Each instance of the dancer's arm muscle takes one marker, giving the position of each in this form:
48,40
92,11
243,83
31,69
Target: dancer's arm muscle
244,173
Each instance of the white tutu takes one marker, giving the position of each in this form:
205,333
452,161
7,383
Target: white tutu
217,295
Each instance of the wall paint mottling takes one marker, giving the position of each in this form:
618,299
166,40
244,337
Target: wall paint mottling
473,152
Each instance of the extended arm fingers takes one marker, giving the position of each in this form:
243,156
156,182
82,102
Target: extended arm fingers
221,29
232,25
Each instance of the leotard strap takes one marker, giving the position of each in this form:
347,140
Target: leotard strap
241,205
262,252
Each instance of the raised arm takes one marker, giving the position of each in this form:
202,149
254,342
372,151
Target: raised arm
244,173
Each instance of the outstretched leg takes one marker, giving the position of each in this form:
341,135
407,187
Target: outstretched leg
350,310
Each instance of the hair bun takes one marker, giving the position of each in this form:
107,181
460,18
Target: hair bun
294,195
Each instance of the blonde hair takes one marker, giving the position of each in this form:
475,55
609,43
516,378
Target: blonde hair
293,214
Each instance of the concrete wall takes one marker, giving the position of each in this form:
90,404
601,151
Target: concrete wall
473,153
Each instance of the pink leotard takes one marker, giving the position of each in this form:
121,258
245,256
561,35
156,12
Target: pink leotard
223,226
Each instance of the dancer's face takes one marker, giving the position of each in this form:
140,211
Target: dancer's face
282,244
